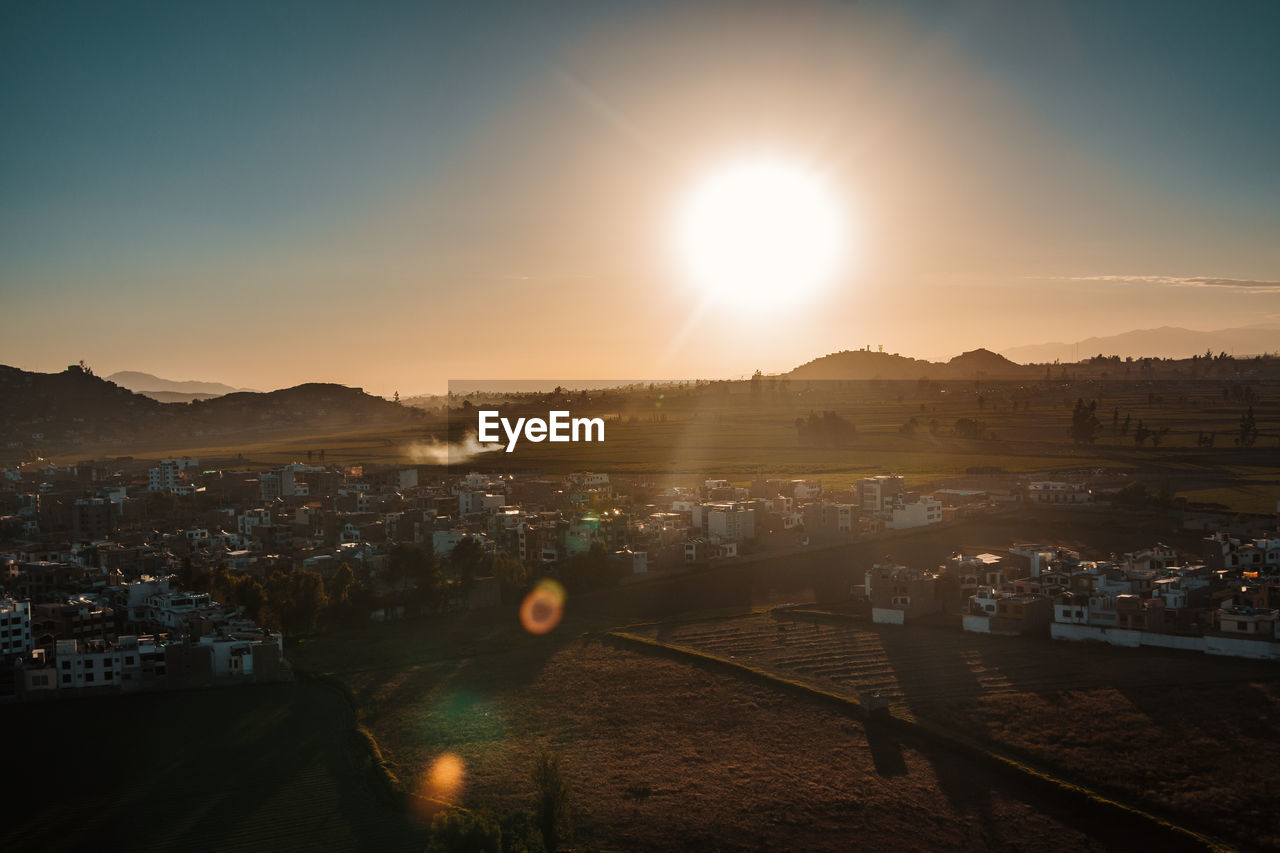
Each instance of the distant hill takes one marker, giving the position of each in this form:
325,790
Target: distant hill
866,364
861,364
1164,342
146,383
74,408
984,363
176,396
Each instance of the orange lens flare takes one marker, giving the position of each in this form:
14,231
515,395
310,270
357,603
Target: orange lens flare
543,607
439,787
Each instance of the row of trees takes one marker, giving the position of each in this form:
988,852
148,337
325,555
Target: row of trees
1085,428
294,603
826,430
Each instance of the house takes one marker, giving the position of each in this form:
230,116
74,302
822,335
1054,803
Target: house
899,594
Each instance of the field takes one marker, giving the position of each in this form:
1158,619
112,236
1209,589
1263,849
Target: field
1186,735
663,754
758,767
685,434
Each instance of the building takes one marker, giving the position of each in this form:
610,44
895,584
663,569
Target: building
1057,492
918,513
875,494
899,594
730,521
15,627
164,477
93,518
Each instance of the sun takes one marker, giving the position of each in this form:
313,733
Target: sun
760,232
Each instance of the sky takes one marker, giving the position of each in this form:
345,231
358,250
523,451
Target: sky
396,195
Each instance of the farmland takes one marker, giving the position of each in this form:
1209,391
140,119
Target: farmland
722,764
1166,731
758,766
909,428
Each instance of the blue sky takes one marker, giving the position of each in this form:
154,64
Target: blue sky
269,193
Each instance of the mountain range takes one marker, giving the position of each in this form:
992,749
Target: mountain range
169,390
76,408
1164,342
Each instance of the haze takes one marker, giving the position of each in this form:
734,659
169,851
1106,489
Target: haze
389,195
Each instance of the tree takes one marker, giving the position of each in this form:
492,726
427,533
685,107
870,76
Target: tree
467,559
1140,433
1084,422
462,831
350,599
416,566
551,801
590,570
249,596
1248,429
296,599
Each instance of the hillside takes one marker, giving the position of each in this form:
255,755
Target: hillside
983,363
866,364
862,364
60,411
147,383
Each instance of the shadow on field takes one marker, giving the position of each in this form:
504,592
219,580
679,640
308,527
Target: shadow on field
257,767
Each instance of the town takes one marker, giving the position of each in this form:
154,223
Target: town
129,575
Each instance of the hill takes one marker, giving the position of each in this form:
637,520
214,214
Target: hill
1164,342
862,364
176,396
74,408
866,364
983,363
149,384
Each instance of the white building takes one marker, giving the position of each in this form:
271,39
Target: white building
164,477
730,521
916,514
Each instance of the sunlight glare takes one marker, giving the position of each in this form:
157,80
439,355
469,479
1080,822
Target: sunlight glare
762,232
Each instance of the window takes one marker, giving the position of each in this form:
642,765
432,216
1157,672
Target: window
66,664
88,676
66,679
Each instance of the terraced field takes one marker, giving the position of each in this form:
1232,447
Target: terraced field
918,664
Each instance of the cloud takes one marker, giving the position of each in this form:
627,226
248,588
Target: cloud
1244,285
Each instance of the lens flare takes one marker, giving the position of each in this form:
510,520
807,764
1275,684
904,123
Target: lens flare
439,787
543,607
